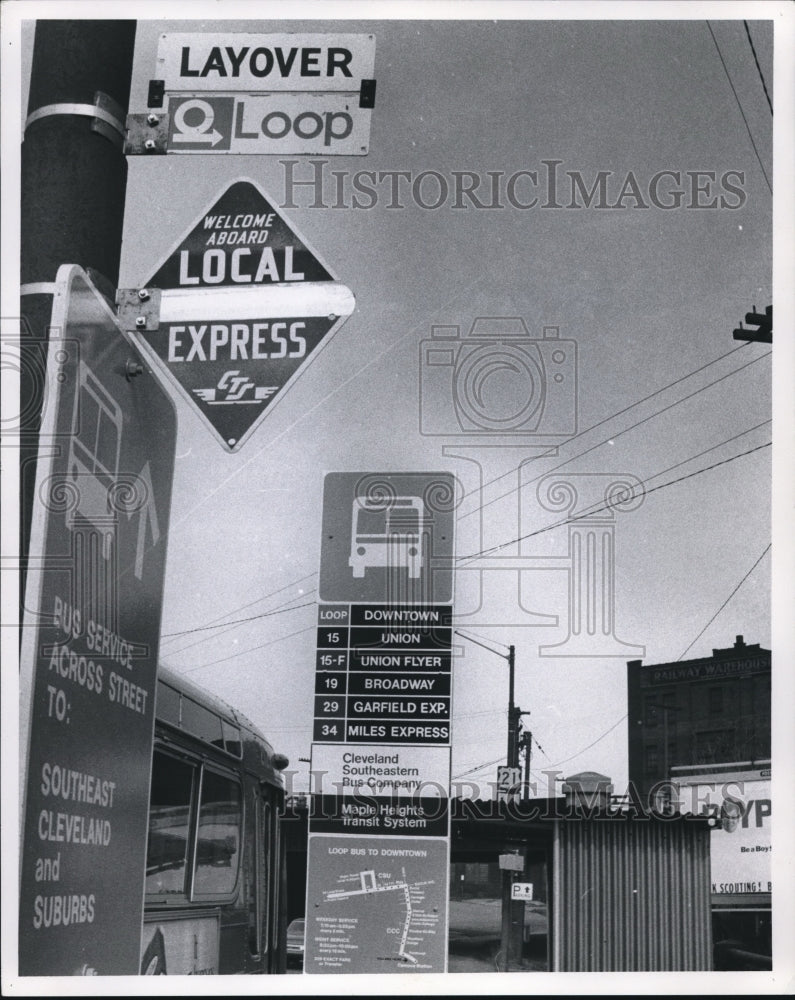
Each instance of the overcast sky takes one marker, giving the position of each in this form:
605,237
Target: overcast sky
650,295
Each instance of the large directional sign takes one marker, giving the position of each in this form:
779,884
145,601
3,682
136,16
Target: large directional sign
256,93
246,303
90,642
377,885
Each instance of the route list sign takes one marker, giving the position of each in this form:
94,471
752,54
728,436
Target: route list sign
379,846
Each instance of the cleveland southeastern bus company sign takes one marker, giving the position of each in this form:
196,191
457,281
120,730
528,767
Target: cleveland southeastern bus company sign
245,304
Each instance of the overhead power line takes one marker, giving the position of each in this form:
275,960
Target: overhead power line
613,416
240,621
624,499
481,641
758,67
253,649
625,430
737,99
220,620
599,739
731,595
473,770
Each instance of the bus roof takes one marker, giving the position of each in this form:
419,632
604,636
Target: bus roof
214,705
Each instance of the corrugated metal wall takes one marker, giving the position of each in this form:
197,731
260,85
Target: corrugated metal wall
631,895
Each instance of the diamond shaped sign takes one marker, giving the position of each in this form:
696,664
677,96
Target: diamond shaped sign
245,303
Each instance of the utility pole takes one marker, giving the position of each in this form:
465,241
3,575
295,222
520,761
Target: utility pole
512,926
514,713
74,178
526,746
512,756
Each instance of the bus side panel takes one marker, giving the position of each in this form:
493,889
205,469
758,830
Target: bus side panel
180,945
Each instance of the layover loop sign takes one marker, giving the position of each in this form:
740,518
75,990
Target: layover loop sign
278,94
245,303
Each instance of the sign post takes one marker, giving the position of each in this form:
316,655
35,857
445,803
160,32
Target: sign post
90,642
379,830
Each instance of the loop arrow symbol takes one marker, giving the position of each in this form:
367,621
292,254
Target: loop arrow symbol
199,132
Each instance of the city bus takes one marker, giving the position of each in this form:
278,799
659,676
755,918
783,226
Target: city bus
214,885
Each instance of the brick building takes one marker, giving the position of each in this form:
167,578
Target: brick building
711,710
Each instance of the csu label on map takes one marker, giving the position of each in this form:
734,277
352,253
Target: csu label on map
376,907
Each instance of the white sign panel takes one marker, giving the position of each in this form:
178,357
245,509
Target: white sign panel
741,849
260,63
381,770
522,891
275,123
508,781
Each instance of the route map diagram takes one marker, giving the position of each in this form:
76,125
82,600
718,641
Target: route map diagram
381,909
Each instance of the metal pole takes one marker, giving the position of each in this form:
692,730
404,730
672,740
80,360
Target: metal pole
505,923
72,198
528,739
513,757
74,178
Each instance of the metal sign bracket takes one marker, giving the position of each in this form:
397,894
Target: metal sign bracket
139,308
147,133
106,115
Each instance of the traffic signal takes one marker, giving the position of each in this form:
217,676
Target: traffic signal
764,335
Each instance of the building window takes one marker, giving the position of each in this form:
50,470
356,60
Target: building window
652,758
715,746
650,713
716,701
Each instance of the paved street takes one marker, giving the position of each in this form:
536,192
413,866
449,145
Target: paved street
475,936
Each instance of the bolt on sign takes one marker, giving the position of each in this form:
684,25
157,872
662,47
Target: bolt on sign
379,830
244,304
88,659
272,94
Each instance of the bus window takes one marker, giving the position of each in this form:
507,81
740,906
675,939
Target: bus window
201,722
233,742
218,836
169,822
260,877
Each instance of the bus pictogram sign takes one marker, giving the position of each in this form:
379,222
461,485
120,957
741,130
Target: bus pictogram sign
245,303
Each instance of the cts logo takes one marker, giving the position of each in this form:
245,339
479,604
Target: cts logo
234,388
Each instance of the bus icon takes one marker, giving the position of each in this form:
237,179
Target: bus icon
387,533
